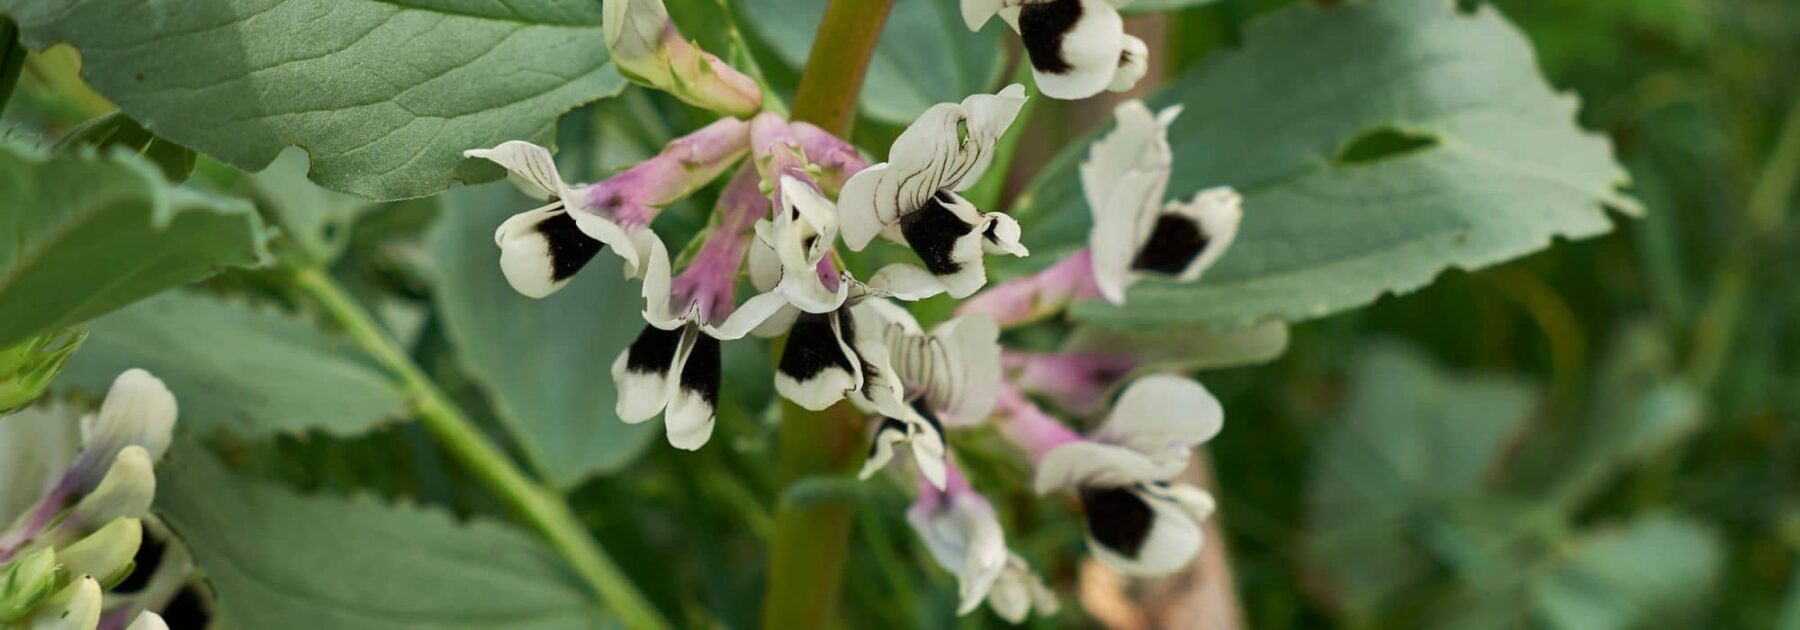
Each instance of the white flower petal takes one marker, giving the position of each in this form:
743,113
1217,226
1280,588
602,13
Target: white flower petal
148,621
630,246
747,317
658,282
919,430
1134,63
1163,415
963,534
645,372
1211,217
765,266
542,249
888,435
965,380
1124,178
801,235
907,282
1018,590
692,409
138,410
882,391
1147,530
1074,45
530,166
1090,463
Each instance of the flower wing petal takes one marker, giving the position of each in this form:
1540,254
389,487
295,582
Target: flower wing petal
530,167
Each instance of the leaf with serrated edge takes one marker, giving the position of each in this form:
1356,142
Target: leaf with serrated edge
281,561
83,233
1509,171
239,369
384,96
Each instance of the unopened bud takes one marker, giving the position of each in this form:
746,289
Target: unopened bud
76,607
125,492
139,410
107,555
25,583
646,47
28,367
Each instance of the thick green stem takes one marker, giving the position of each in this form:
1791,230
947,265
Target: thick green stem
12,60
806,557
536,504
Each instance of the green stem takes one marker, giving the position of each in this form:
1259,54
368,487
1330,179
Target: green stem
12,60
536,504
806,557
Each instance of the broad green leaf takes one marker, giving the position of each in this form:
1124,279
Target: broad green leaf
1187,349
278,560
1655,571
1413,441
926,54
118,130
1153,6
239,369
384,96
1376,143
83,233
546,364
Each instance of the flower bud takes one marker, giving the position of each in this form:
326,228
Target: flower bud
107,555
646,48
76,607
125,492
27,368
148,621
139,410
25,583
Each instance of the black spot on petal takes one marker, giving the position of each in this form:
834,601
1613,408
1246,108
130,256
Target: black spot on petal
812,348
931,418
702,371
570,248
932,231
653,351
1174,242
887,425
1117,518
1042,27
144,563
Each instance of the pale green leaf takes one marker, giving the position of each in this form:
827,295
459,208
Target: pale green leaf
238,369
1413,441
83,233
546,364
384,96
1652,572
1153,6
314,221
278,560
926,54
1316,119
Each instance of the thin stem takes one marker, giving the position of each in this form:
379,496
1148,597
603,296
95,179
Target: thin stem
806,558
12,60
542,508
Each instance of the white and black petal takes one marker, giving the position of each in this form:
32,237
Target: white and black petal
529,166
955,369
800,235
1075,46
694,401
1146,529
540,250
1134,63
1187,238
947,148
1124,177
645,372
818,366
920,429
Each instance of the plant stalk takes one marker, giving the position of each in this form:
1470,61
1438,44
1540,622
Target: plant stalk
806,557
535,503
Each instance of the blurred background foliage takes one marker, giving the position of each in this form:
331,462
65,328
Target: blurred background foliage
1605,434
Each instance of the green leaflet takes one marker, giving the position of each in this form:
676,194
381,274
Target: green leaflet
238,369
1505,168
926,54
384,96
546,364
1654,571
83,233
278,560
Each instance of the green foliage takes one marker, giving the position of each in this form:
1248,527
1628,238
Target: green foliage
383,96
118,130
1654,571
279,560
1507,169
546,364
239,369
315,222
926,55
84,233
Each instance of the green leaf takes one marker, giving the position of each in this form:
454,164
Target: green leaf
546,364
1656,571
1185,348
278,560
1153,6
84,233
1503,168
314,221
239,369
118,130
384,96
926,54
1413,442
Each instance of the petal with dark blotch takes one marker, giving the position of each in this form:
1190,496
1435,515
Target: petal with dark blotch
1074,45
817,366
541,250
692,410
1145,530
643,372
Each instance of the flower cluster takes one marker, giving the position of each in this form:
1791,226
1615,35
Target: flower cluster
79,538
798,192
